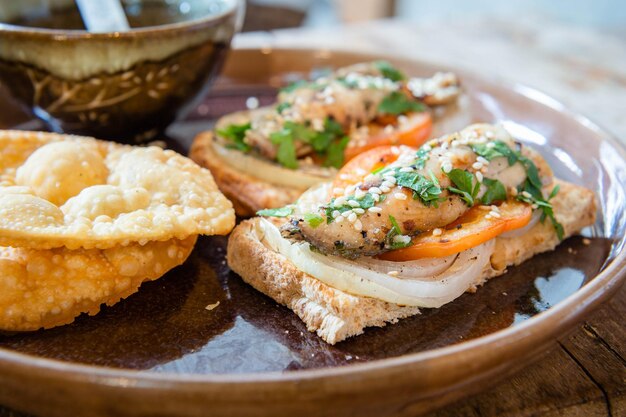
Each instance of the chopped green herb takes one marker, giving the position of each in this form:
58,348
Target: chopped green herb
276,212
335,153
282,107
464,185
389,71
422,156
395,230
286,153
498,149
297,84
236,133
399,103
536,197
313,219
495,191
426,190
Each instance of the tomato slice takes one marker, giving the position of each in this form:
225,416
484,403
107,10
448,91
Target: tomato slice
415,132
358,168
470,230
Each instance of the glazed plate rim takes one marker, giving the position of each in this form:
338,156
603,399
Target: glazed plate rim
537,330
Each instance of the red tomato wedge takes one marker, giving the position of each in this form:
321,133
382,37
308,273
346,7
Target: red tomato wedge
470,230
357,168
413,133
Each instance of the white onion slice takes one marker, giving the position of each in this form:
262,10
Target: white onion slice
412,289
274,173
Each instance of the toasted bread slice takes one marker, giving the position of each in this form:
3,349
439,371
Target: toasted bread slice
336,315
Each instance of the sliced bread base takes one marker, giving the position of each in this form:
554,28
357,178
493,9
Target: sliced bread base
336,315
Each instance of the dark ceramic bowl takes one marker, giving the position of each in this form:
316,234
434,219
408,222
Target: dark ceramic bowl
125,86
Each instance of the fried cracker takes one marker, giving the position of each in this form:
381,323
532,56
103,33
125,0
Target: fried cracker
48,288
77,192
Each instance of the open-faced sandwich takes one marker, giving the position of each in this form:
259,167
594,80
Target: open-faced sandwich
267,157
84,222
402,228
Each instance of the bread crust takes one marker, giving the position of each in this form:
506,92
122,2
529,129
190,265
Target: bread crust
248,194
336,315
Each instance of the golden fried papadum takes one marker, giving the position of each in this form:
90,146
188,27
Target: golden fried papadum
77,192
48,288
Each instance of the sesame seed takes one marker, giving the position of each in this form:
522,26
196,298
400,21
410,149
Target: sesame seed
479,176
390,178
488,216
388,129
359,194
346,213
384,188
437,232
252,103
489,134
400,196
395,150
513,191
386,184
354,203
359,210
375,190
352,217
340,201
491,145
404,239
358,225
482,160
406,169
495,214
477,165
338,190
371,177
526,194
393,273
376,197
339,219
402,119
336,214
349,190
375,209
534,206
446,167
360,171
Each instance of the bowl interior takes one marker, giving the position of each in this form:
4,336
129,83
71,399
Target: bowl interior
167,328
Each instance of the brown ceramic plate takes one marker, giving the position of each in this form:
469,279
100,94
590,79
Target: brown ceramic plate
160,352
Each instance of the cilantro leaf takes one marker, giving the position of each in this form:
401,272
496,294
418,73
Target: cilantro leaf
495,191
395,231
286,153
389,71
497,149
426,190
335,152
464,185
313,219
422,157
282,107
294,86
276,212
236,133
536,197
398,103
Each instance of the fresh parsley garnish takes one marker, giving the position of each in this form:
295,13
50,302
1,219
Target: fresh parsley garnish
532,185
464,185
427,190
498,149
392,242
282,107
331,142
398,103
422,156
495,191
313,219
389,71
276,212
300,84
236,134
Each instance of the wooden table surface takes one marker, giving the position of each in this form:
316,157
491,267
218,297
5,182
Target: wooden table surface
585,373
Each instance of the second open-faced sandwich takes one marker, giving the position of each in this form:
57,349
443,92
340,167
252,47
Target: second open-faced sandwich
267,157
402,228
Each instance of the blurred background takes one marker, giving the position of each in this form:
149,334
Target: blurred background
603,15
